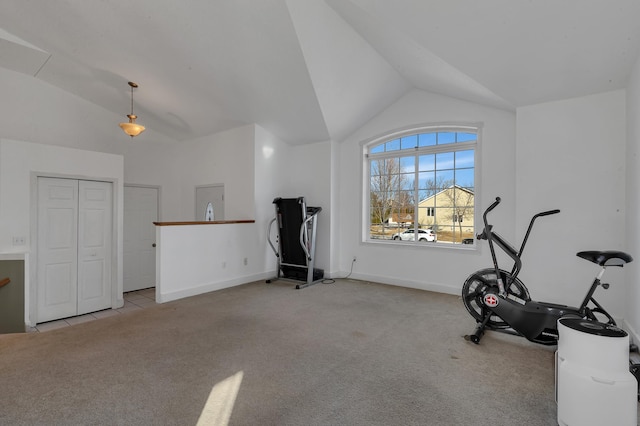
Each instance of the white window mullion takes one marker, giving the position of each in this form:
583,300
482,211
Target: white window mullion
416,193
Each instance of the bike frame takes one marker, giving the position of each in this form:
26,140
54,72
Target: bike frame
493,237
537,321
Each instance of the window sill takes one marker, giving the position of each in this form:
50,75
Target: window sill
439,245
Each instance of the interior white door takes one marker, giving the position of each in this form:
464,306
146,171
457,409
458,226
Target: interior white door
94,246
140,211
57,248
74,247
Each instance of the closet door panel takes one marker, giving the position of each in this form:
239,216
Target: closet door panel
94,246
57,248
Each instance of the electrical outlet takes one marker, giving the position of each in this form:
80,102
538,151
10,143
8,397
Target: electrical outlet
19,241
224,265
354,258
246,261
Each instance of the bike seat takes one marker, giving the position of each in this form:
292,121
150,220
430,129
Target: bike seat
606,258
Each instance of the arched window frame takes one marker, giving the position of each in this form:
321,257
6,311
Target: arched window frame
470,217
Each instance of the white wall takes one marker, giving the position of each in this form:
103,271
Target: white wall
151,163
20,164
195,259
289,172
227,158
32,110
308,174
334,212
632,229
431,268
271,159
571,156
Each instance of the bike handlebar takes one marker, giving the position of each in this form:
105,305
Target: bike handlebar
498,200
493,205
484,215
547,213
488,234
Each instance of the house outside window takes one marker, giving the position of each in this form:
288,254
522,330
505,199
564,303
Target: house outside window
421,179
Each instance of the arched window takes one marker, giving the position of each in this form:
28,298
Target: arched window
420,186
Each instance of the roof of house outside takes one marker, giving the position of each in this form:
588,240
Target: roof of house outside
444,190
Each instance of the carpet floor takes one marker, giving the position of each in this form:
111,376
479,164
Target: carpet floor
348,353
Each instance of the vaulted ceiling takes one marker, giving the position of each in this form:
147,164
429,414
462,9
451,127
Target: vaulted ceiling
313,70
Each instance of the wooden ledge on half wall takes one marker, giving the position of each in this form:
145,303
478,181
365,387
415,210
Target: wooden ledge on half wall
211,222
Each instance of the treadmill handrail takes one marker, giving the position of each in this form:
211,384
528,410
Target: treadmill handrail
303,243
269,237
303,227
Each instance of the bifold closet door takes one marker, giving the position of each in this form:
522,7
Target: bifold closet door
74,247
94,246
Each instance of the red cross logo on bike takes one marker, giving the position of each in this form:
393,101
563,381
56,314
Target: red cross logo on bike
491,300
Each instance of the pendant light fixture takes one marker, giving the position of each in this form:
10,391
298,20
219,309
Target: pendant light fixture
132,128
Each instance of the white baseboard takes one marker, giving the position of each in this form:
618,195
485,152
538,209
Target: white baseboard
213,286
420,285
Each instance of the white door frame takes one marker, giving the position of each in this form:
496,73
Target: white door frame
31,295
199,213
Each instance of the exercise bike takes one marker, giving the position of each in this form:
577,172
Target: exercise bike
499,301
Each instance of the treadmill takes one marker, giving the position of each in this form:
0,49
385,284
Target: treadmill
295,241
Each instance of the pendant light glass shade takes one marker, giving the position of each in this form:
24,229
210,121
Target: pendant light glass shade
132,128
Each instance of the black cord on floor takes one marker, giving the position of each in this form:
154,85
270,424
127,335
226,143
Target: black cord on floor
332,281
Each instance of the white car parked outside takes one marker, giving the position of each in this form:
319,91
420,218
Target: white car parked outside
409,235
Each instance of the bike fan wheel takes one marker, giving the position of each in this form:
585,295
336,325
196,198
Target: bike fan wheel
476,285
